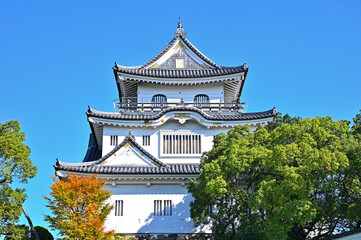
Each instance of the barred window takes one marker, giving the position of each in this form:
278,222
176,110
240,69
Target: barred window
167,207
113,140
159,100
162,208
118,208
200,100
157,207
146,140
182,144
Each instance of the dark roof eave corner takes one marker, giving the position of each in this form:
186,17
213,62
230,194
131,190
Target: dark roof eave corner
91,126
115,71
245,68
89,110
58,163
274,111
116,67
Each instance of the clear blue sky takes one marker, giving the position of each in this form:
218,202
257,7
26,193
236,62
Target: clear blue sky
56,58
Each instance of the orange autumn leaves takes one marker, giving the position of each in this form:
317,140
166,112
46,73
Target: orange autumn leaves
79,208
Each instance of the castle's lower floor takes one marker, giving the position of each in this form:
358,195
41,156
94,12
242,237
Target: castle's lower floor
151,209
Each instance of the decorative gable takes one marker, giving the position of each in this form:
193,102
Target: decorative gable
180,56
129,155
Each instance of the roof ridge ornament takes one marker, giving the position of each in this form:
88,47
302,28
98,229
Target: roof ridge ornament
130,134
180,31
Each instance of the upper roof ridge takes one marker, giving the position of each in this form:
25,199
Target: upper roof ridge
179,48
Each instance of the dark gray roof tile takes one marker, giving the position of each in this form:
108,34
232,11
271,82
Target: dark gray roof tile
144,69
168,169
231,117
94,167
162,73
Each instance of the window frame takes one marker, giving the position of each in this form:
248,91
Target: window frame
114,140
146,140
163,208
198,103
118,208
157,103
193,153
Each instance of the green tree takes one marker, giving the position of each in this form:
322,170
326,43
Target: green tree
15,166
79,208
357,123
288,181
17,232
44,234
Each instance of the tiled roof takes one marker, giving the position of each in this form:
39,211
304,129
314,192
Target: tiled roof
234,117
171,73
128,138
94,167
188,43
168,169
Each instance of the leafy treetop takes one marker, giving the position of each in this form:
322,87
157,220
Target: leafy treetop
15,165
290,180
79,208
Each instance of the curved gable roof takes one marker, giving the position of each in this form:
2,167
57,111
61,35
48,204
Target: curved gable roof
196,64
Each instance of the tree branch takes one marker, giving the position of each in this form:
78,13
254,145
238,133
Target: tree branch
32,229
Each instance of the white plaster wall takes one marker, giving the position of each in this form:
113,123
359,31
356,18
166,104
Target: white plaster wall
174,93
170,126
138,210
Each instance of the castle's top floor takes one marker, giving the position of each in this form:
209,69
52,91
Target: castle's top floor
179,75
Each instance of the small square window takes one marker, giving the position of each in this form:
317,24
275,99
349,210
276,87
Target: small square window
179,63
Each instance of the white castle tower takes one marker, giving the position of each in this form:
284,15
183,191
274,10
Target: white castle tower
168,112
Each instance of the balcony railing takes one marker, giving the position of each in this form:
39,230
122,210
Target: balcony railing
151,104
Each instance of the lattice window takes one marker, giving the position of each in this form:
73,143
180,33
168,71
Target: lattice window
146,140
113,140
182,144
159,100
118,208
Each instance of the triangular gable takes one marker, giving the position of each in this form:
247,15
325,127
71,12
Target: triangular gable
179,49
129,155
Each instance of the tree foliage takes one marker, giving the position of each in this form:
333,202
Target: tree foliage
21,232
79,208
15,166
17,232
295,179
44,234
357,123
